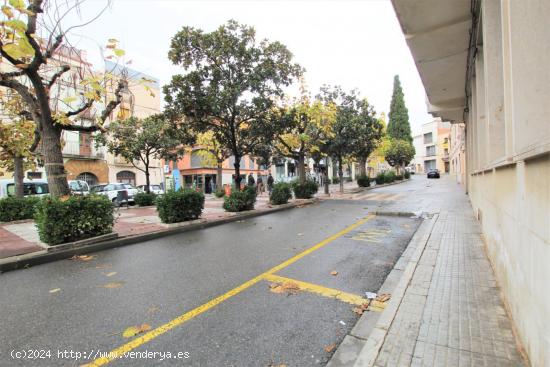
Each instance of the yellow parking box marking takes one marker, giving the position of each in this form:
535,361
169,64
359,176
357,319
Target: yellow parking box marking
318,289
145,338
377,306
372,235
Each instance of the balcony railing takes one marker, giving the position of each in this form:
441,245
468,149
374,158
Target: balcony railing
75,149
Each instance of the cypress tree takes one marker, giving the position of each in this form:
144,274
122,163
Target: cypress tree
399,127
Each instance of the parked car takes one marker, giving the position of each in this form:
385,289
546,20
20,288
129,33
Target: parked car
433,173
155,189
111,190
79,187
30,187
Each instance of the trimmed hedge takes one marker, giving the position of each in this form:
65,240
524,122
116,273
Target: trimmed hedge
239,201
77,218
407,175
180,206
281,193
335,180
399,177
305,190
389,177
13,208
145,199
219,193
380,178
363,181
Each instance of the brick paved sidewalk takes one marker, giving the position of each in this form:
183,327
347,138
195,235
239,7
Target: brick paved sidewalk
22,237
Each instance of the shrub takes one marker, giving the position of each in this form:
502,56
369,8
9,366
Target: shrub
389,177
240,200
145,199
380,178
399,177
305,190
281,193
335,180
179,206
76,218
348,179
219,193
13,208
363,181
407,175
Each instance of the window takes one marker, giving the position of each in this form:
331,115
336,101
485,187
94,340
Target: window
34,175
30,188
428,138
90,178
428,165
430,150
126,177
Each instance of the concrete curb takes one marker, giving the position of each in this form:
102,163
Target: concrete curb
84,247
361,347
361,189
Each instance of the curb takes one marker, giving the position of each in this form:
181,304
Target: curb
79,248
361,189
361,346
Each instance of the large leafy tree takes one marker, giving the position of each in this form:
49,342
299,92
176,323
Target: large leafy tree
213,153
230,85
399,153
399,127
346,129
139,141
16,137
305,126
31,37
369,133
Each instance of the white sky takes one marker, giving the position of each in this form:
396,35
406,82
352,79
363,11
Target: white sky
356,44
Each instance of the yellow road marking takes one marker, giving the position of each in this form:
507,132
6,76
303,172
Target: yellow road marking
371,235
318,289
145,338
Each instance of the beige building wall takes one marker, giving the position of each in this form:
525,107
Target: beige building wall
508,145
457,153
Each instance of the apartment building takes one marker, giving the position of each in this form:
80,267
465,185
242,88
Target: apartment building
432,147
484,64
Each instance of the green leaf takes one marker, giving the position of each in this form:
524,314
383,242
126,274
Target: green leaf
119,52
15,24
13,50
18,4
69,100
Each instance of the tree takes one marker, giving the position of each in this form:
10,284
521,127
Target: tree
399,127
369,133
141,140
16,137
230,85
399,153
305,126
39,77
213,153
346,129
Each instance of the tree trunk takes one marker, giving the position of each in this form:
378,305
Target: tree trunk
341,175
18,176
301,168
362,166
147,179
237,166
219,173
53,160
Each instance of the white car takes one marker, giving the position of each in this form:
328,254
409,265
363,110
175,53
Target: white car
111,190
155,189
79,187
30,187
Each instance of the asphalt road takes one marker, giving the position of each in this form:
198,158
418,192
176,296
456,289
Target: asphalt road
204,293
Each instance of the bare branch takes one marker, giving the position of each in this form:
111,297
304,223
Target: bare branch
81,109
88,129
122,84
63,70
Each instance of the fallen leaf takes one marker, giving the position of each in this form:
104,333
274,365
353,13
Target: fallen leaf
334,272
358,310
286,287
134,330
383,297
329,348
112,285
55,290
110,274
103,266
82,257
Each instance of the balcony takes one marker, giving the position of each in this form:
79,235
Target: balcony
73,149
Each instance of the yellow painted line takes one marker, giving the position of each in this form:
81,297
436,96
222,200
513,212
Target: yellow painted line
318,289
145,338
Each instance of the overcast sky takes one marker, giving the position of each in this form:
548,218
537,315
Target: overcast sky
356,44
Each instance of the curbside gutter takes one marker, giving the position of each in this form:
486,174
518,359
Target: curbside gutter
361,346
112,240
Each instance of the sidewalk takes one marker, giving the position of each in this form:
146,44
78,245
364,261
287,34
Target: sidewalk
20,238
450,312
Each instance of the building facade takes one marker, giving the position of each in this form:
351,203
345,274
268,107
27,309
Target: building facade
432,147
457,153
484,63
